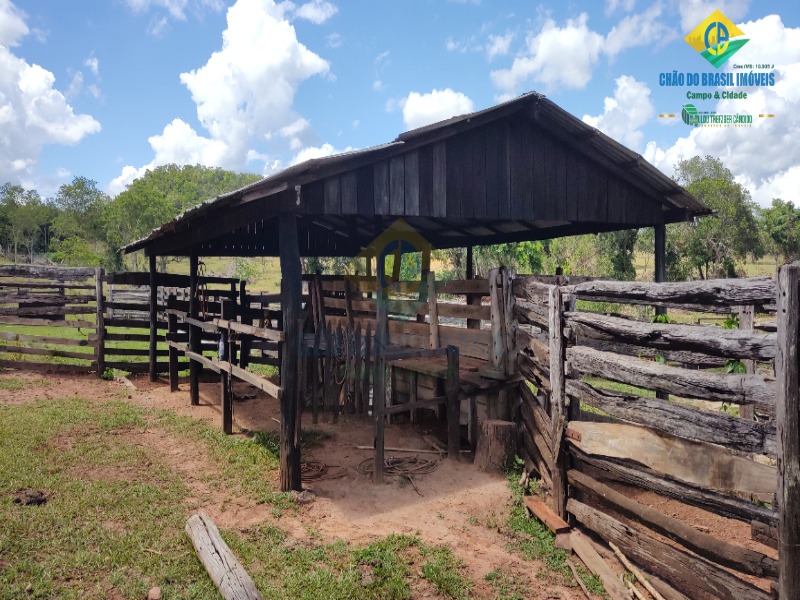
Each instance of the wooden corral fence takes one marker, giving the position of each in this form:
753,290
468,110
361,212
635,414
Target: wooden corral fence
580,433
425,345
48,318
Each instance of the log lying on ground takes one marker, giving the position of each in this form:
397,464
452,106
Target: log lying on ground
711,292
691,423
729,555
686,571
225,570
717,387
696,463
613,584
725,343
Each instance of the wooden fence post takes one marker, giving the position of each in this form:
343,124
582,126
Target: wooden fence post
453,406
172,330
226,354
787,417
746,323
557,400
247,319
100,331
194,333
152,355
379,385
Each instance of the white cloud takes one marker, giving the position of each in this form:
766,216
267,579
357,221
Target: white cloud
554,56
316,152
12,24
243,93
32,111
625,113
642,29
157,26
356,123
334,40
316,11
437,105
613,5
693,12
93,64
499,45
764,157
75,85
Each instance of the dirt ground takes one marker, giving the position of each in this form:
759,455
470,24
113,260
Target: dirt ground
456,505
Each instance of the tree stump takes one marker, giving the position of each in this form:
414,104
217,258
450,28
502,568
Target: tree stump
497,445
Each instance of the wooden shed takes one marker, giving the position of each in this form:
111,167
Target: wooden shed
522,170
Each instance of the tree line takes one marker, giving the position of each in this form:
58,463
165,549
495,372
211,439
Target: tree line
82,226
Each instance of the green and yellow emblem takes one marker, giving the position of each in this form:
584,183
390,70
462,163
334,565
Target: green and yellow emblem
716,38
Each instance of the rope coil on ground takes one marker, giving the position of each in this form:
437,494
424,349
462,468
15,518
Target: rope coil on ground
406,465
312,469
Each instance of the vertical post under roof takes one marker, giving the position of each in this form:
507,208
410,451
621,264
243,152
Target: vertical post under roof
291,292
660,264
194,333
153,319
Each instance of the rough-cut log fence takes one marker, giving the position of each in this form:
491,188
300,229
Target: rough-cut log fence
682,447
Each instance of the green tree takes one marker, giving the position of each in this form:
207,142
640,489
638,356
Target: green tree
781,223
713,245
617,250
80,207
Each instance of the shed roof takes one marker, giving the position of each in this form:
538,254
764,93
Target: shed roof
522,170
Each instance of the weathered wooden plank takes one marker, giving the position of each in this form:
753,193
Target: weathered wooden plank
47,311
411,183
706,545
380,176
687,572
439,179
696,424
735,388
42,367
46,352
720,504
498,347
397,185
697,463
349,193
225,570
45,299
558,399
366,192
39,272
713,292
44,286
12,336
612,583
787,417
725,343
541,438
273,335
585,336
333,196
30,321
764,534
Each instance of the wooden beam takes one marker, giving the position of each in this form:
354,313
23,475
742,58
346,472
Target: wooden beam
100,342
153,312
453,405
558,399
291,288
195,368
717,387
687,572
696,463
706,545
433,311
787,416
612,583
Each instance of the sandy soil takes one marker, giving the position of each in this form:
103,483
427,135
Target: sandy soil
456,505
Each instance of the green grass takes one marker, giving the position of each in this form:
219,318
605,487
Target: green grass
14,384
505,586
533,540
113,524
624,388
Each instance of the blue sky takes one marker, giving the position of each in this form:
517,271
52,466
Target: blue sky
108,89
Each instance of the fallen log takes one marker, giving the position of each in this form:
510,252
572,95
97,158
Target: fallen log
225,570
612,583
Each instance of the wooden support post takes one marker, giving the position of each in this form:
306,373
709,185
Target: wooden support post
100,332
226,354
433,311
291,297
660,263
453,405
247,319
746,323
787,417
153,320
195,367
172,328
557,400
470,266
379,387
